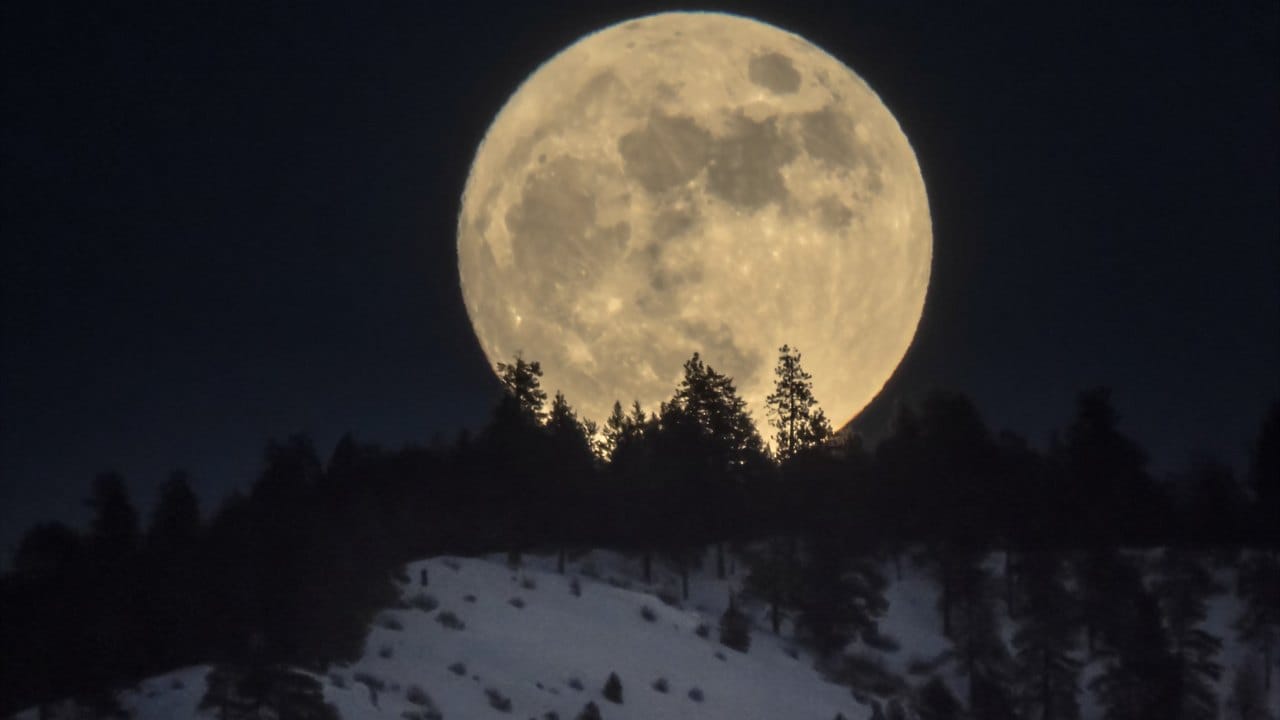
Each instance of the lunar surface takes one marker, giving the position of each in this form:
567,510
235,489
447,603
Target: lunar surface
695,182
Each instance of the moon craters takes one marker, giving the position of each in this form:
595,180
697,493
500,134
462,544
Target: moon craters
774,72
666,152
556,240
745,165
828,136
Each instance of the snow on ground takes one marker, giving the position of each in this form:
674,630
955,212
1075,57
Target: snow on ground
530,639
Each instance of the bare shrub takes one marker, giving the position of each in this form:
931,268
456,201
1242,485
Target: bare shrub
451,621
424,602
497,700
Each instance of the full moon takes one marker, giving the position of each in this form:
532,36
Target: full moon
695,182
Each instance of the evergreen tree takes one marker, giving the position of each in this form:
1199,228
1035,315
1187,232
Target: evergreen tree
735,628
1107,587
616,428
1259,623
522,381
613,689
114,529
792,408
711,402
176,520
1047,673
1248,699
1184,586
773,576
980,652
571,463
1139,679
172,585
1106,471
840,596
935,701
1264,471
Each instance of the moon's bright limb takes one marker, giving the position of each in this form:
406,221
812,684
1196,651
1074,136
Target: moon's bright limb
695,182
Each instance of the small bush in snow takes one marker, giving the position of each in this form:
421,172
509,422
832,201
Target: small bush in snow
517,603
551,715
529,583
390,622
575,683
497,700
590,712
384,652
695,694
424,602
735,628
575,587
458,669
720,655
176,684
469,598
418,696
648,614
370,681
661,685
703,630
338,681
669,598
449,620
613,689
792,653
453,565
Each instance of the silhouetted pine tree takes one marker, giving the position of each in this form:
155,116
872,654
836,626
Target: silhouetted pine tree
935,701
1139,680
1047,673
1111,491
1264,471
523,382
1184,586
1248,699
112,619
176,520
735,628
712,402
1108,585
1259,623
792,409
980,652
773,576
840,595
172,585
114,531
569,476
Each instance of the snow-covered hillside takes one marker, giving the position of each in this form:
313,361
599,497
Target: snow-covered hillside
475,638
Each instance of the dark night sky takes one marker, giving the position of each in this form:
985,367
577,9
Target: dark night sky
224,224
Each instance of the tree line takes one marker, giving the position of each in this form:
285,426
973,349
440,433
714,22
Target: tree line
291,572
